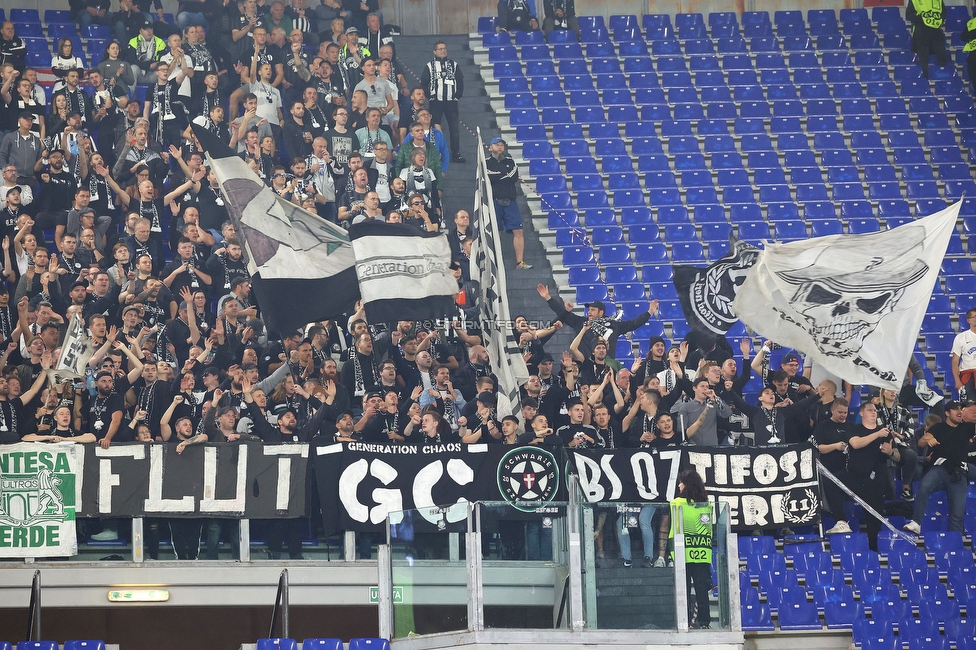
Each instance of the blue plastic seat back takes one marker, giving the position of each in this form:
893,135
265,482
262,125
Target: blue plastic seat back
369,644
277,644
322,644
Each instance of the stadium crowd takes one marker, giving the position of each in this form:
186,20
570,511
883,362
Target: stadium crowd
111,214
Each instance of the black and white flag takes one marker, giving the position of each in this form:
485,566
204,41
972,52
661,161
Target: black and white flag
404,274
75,353
498,331
707,295
302,266
853,303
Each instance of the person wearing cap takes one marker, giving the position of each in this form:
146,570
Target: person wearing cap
790,364
22,149
517,16
504,177
9,218
351,57
144,52
600,326
951,447
482,426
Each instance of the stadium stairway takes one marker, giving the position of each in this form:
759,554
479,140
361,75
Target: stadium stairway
414,52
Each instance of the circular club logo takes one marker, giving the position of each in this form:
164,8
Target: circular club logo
528,478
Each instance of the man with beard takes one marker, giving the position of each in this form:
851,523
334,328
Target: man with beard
56,190
226,264
153,397
287,431
106,411
602,327
479,365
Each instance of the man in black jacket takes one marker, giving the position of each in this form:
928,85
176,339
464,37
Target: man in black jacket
602,327
286,431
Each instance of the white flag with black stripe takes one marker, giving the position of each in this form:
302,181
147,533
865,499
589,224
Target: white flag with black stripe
404,273
853,303
498,332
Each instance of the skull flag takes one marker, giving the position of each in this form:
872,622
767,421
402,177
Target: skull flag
854,303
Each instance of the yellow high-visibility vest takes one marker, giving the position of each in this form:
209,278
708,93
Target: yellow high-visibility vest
930,11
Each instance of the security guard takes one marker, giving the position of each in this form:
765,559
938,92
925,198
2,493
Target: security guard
927,18
969,38
697,519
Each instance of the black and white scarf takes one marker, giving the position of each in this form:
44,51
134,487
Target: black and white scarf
450,409
358,369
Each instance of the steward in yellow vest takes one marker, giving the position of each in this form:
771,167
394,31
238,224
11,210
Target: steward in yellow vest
926,17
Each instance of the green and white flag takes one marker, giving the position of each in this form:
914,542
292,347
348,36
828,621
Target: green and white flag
40,486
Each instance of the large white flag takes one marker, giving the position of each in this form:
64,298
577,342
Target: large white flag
488,270
854,303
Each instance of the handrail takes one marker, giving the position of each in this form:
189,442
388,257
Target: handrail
34,609
281,603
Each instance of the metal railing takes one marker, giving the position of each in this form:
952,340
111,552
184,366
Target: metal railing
280,605
34,609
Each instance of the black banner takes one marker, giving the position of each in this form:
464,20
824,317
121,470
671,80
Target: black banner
360,484
707,294
764,486
250,480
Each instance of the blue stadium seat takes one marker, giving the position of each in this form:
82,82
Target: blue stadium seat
785,231
275,644
580,275
756,618
784,211
368,644
753,231
716,232
649,255
859,210
84,645
822,228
